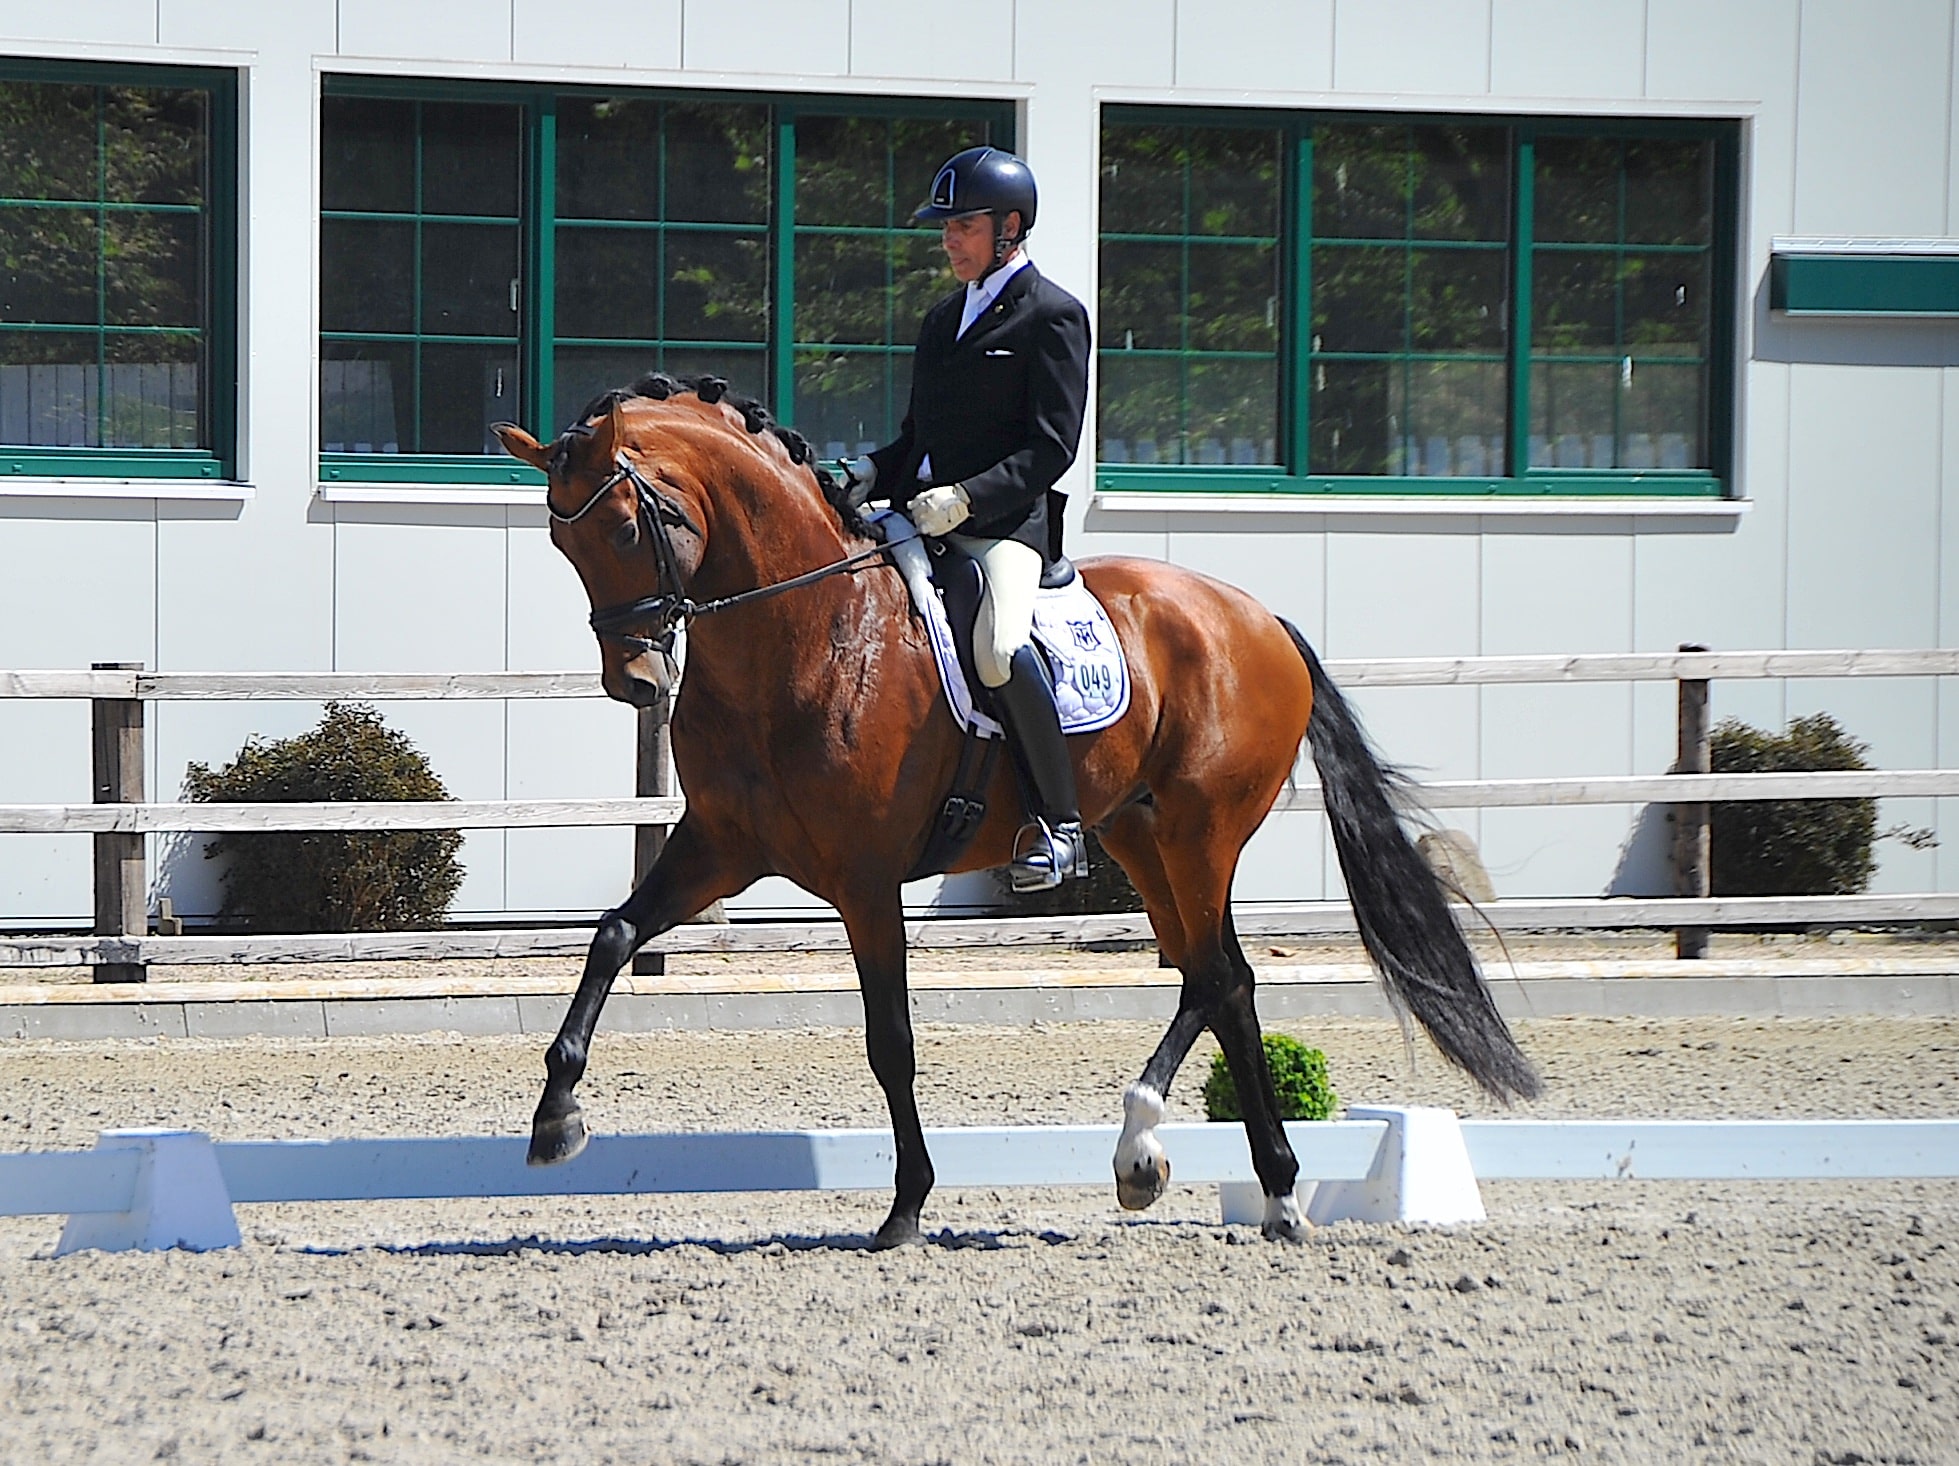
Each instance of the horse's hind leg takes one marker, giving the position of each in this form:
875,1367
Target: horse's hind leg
1193,875
687,877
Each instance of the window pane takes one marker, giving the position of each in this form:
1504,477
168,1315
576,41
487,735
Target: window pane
583,372
1233,413
153,145
366,397
1234,297
1667,311
1669,191
1351,427
1457,299
1461,183
1360,182
1574,303
50,259
1577,189
919,145
367,275
1142,180
469,159
47,141
464,390
1142,296
367,154
48,382
842,171
744,368
608,152
1572,414
717,287
608,283
1662,421
467,274
152,269
151,392
1141,409
1421,418
1358,298
1234,181
919,278
840,289
844,399
717,163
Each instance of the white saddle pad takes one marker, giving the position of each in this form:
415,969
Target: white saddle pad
1091,676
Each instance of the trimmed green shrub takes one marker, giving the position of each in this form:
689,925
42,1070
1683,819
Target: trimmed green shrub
331,881
1299,1078
1790,847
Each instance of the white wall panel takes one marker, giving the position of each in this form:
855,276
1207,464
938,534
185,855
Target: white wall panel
1555,852
1101,42
1741,50
116,22
941,38
1863,506
465,743
1565,589
1552,48
280,35
548,630
645,34
1284,571
1402,595
251,592
798,37
80,583
569,749
1291,45
1284,861
462,30
423,593
1873,80
1411,46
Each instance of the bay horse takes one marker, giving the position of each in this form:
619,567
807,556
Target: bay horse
813,741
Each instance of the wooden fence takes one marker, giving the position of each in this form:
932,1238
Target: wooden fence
120,815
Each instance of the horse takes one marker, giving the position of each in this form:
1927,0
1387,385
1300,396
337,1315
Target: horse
812,740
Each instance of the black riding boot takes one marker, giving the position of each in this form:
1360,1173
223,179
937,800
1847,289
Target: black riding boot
1052,847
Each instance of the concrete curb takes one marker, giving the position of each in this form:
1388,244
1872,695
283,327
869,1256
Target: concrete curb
1745,988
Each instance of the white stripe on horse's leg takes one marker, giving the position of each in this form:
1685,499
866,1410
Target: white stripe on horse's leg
1142,1169
1283,1217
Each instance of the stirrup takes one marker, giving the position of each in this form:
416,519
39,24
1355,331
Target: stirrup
1046,855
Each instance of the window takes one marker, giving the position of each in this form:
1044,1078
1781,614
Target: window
495,254
116,293
1383,304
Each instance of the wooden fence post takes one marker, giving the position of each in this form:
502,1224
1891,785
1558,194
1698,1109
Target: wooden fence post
653,778
121,877
1691,874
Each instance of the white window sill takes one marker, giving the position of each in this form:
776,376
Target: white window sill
1370,506
526,495
163,490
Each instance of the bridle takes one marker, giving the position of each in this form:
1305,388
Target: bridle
672,611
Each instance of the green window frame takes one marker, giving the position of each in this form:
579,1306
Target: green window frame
763,238
1416,304
118,271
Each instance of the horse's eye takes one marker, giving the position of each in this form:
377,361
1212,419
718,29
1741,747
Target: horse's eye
626,535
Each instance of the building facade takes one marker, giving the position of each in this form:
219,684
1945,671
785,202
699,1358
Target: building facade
1447,327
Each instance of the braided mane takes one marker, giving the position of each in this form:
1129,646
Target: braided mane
755,417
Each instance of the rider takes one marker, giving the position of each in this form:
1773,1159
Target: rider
999,382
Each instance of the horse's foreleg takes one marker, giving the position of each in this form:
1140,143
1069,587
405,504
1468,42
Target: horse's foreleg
686,879
877,943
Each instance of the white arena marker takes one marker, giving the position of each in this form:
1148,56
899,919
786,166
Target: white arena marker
178,1200
1421,1173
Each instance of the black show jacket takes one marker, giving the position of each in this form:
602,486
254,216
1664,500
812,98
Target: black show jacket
999,409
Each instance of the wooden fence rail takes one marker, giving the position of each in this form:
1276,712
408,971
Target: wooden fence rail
120,816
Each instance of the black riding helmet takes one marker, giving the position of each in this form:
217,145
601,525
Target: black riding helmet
983,181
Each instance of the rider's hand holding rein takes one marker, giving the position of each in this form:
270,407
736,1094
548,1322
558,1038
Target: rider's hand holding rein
940,510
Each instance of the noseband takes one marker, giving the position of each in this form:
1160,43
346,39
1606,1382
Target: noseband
672,611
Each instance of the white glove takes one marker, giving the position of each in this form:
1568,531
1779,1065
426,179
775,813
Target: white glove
859,477
941,510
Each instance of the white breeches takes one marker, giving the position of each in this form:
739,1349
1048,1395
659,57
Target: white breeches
1012,572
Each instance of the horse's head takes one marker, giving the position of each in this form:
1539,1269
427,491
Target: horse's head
633,537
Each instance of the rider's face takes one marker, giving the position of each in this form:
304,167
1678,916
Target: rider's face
968,243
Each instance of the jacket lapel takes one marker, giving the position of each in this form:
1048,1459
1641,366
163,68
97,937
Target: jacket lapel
1001,311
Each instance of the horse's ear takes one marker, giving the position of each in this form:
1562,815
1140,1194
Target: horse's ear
609,434
520,444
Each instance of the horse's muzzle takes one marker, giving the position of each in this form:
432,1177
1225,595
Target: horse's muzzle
643,682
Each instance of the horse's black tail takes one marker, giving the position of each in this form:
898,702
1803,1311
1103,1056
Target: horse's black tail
1399,901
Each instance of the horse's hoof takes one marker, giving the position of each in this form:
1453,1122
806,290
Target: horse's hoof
897,1231
557,1139
1145,1182
1283,1230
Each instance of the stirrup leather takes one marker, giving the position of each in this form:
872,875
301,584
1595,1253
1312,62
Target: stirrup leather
1046,855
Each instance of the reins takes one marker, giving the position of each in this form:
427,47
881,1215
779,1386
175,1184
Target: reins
672,611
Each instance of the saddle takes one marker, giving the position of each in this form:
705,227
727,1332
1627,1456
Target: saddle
1077,641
